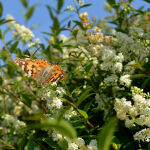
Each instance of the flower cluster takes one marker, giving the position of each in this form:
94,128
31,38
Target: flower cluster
76,144
25,34
136,113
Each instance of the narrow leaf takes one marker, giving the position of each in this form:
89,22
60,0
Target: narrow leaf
83,113
111,3
14,46
105,137
61,126
1,37
30,144
50,12
60,5
86,5
30,12
1,80
88,66
1,9
24,3
84,96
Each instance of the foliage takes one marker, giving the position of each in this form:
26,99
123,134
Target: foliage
107,77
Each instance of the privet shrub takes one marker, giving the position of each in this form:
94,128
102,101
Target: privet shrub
107,77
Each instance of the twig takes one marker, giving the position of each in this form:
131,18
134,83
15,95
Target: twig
38,99
127,4
90,124
7,50
7,144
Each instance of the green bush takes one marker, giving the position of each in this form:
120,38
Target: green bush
106,76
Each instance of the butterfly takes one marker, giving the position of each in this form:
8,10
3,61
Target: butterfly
41,70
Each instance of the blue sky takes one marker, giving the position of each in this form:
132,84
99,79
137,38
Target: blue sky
41,17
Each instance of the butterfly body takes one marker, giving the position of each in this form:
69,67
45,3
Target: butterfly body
41,70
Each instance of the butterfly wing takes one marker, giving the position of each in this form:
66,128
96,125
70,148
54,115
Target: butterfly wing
41,70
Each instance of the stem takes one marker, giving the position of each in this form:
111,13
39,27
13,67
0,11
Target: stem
7,144
90,124
127,4
7,50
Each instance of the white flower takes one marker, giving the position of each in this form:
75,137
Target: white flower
69,113
70,8
117,67
80,140
63,37
31,45
81,2
129,123
60,91
92,145
112,79
24,32
125,80
56,102
37,41
72,146
56,136
143,135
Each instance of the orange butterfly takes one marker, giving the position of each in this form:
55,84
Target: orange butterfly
41,70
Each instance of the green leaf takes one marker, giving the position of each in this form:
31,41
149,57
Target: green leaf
88,66
63,144
1,37
24,3
51,143
104,139
30,144
60,125
27,98
30,12
84,96
3,21
56,24
1,9
148,146
138,76
145,82
60,5
50,12
79,24
112,3
1,80
13,47
83,113
21,143
86,5
116,143
148,1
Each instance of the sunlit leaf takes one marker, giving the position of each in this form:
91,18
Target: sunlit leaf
104,139
83,113
88,65
61,126
84,96
63,144
13,47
